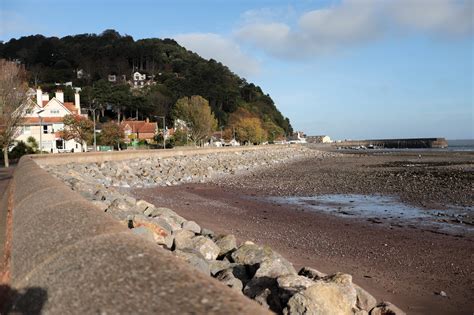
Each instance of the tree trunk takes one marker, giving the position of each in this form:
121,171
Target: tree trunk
5,156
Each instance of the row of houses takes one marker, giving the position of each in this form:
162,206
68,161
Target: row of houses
44,122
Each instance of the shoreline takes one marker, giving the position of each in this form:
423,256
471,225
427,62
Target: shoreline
403,264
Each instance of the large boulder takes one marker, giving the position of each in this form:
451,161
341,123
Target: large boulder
183,239
386,308
251,254
365,301
228,278
332,295
144,233
205,246
217,266
289,285
195,259
191,226
275,267
265,292
161,230
226,243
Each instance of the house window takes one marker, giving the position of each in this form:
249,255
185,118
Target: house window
45,128
26,130
54,111
60,144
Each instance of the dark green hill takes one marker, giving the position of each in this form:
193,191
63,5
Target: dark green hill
176,71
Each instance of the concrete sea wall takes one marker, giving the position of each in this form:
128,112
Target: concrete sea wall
64,256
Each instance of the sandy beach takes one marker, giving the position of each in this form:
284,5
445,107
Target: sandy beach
395,257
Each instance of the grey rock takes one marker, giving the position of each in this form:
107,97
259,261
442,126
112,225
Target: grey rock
311,273
265,292
251,254
334,294
228,278
218,265
386,308
274,267
226,243
207,232
194,259
365,301
289,285
205,246
144,205
191,226
183,239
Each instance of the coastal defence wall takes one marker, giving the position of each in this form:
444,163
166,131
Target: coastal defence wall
415,143
62,255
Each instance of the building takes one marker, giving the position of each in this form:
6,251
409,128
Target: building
139,129
319,139
297,137
44,121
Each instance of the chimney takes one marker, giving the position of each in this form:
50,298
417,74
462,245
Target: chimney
77,102
39,97
147,120
45,97
60,96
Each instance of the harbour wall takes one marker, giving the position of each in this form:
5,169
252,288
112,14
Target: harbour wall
413,143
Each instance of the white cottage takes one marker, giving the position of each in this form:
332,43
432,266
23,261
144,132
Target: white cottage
44,121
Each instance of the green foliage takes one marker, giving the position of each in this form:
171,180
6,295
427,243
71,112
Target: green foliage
21,148
196,113
177,73
32,143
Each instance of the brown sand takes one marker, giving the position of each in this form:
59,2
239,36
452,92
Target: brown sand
402,263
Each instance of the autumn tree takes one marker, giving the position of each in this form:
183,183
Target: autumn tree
196,113
78,128
13,103
111,134
248,126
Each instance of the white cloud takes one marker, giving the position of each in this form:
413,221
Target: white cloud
354,22
210,45
447,17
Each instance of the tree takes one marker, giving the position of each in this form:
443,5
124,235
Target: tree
248,126
13,103
196,112
112,134
250,130
77,128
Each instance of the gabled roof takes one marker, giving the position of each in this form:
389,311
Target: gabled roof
140,126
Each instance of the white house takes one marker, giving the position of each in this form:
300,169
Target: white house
44,121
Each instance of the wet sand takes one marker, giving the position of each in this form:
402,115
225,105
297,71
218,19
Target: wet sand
404,263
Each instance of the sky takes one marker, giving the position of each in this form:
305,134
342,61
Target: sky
350,69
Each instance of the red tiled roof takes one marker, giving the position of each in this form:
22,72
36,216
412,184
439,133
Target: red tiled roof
140,126
36,120
70,106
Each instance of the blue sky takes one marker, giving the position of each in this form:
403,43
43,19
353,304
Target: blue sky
350,69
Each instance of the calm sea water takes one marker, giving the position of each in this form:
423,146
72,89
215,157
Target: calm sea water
461,145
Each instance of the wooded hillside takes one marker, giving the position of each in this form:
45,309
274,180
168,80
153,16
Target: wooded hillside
176,71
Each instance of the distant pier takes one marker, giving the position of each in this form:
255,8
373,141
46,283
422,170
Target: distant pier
415,143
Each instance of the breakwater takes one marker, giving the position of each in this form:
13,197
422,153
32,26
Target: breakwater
252,269
413,143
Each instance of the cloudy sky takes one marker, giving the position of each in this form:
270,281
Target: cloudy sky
347,68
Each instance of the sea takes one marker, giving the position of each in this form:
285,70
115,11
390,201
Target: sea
461,145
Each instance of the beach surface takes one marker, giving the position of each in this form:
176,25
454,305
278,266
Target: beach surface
398,257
